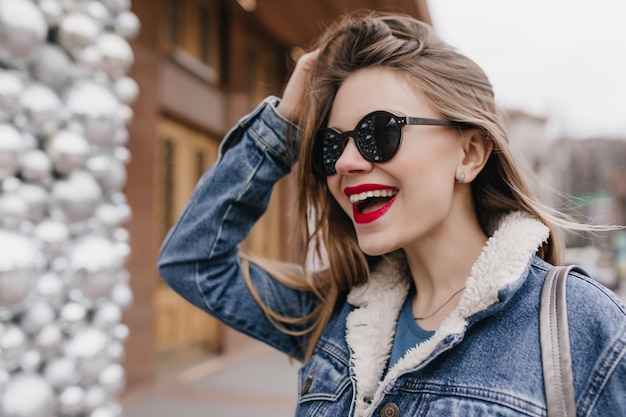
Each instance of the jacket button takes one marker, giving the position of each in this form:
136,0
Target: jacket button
389,410
306,384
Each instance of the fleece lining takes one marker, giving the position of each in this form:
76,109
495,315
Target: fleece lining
370,327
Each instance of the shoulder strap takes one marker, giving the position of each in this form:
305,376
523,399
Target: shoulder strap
555,348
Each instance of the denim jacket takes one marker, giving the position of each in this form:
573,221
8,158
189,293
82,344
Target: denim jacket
484,360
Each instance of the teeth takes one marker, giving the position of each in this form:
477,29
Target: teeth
356,198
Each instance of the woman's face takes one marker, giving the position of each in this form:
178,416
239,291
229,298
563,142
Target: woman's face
415,187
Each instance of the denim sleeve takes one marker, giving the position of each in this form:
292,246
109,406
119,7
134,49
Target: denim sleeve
199,257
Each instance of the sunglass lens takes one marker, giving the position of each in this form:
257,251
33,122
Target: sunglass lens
379,137
329,148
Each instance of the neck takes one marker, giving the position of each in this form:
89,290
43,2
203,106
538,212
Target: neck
440,264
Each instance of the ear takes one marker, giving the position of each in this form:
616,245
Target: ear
475,153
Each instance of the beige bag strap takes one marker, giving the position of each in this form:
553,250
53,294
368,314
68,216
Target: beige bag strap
555,348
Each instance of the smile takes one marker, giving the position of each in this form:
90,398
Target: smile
370,201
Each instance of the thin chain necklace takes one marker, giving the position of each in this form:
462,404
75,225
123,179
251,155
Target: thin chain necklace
440,307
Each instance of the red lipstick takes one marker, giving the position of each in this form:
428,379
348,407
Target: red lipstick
365,218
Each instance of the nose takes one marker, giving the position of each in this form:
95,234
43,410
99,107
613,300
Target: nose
351,161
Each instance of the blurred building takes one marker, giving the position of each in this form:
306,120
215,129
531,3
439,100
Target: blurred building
200,66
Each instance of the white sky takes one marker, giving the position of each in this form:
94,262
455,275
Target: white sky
564,59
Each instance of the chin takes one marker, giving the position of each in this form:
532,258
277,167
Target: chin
375,248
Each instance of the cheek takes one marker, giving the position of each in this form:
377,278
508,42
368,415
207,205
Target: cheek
334,185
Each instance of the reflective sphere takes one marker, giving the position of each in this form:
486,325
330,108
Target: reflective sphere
77,31
41,107
115,351
10,149
126,89
11,88
48,341
95,108
73,317
61,372
68,151
97,11
13,345
113,379
36,198
52,12
72,401
117,55
127,25
36,317
27,395
13,210
106,411
117,6
51,289
52,66
93,264
88,60
122,295
95,396
77,197
88,347
35,165
31,361
106,316
110,173
22,30
53,235
20,264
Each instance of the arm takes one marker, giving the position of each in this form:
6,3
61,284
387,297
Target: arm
199,257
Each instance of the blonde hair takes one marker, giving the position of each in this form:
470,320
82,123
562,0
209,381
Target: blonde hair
458,89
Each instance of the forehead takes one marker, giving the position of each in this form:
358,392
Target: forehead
371,89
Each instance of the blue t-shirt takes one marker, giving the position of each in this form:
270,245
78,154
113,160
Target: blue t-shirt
408,333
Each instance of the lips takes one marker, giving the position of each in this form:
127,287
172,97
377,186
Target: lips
370,201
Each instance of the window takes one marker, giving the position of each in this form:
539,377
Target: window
192,34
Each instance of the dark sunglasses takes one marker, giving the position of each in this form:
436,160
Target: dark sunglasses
377,137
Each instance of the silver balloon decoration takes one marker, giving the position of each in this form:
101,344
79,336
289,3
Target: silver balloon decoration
68,151
35,166
13,210
41,108
72,401
27,395
53,236
52,66
52,12
65,108
73,317
94,262
22,30
127,24
37,317
117,55
13,345
117,6
49,340
126,89
77,31
95,396
10,149
97,11
77,197
95,108
112,378
36,198
20,264
11,88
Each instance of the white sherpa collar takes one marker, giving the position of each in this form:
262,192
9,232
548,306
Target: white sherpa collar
370,327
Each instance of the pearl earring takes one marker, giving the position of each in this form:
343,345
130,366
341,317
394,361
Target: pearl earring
461,178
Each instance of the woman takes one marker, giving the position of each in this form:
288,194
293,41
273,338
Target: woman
433,248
